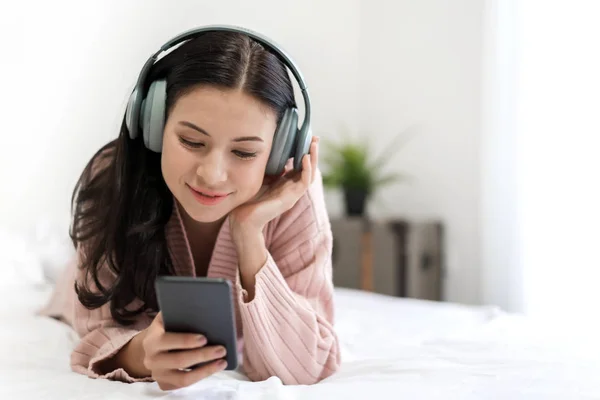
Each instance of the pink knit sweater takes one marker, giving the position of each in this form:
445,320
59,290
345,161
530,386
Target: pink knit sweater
287,330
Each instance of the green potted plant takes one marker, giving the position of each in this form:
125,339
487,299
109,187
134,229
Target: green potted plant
351,167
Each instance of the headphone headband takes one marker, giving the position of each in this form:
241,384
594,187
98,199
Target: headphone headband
193,33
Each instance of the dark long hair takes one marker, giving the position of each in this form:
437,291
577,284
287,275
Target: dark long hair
121,203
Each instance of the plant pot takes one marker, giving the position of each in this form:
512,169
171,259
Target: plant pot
355,200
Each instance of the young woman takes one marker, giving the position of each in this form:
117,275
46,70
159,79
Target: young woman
201,204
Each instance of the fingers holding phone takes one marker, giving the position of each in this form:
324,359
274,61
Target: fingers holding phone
177,360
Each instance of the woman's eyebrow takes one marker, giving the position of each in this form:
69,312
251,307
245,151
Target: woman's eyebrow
237,139
248,139
194,127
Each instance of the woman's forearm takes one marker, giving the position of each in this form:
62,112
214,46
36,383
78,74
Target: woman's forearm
252,254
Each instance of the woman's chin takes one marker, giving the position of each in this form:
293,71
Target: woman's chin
207,216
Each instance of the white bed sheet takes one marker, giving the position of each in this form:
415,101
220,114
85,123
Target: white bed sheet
392,349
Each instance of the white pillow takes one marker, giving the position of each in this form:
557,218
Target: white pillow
53,247
37,257
19,262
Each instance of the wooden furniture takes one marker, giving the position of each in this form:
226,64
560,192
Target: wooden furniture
394,257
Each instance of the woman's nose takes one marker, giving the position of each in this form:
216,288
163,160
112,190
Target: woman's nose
213,169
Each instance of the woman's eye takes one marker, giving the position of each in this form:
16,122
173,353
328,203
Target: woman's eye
193,145
244,155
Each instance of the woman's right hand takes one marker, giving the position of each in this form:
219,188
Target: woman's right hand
168,356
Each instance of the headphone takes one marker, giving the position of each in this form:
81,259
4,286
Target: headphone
146,111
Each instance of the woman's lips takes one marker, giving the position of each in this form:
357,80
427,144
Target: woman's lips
208,197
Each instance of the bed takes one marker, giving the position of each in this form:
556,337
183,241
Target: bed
393,348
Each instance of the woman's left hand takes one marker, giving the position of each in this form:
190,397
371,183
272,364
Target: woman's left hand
276,196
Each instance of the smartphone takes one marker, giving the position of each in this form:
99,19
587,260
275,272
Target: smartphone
200,305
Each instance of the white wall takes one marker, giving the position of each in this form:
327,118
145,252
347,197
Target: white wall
376,67
501,266
421,67
558,128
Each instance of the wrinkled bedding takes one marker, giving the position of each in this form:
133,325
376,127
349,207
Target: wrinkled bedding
392,348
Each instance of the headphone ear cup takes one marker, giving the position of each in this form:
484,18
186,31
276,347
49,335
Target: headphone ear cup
152,116
283,142
132,113
302,147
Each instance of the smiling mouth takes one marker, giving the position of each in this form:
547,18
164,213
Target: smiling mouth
208,197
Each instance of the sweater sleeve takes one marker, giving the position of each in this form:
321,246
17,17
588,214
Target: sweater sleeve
100,336
288,326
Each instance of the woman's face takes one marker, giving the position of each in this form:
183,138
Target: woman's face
215,150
